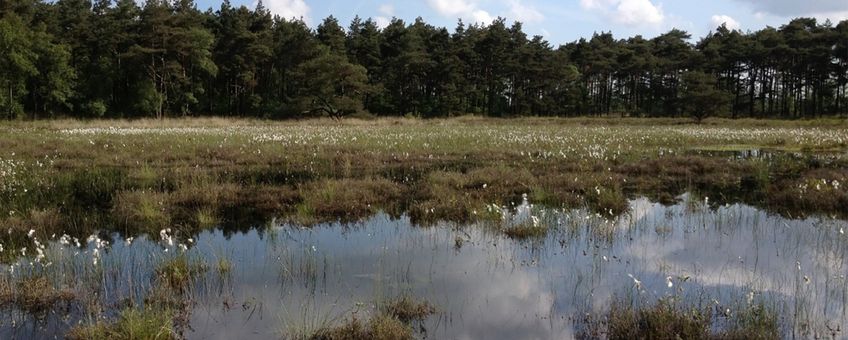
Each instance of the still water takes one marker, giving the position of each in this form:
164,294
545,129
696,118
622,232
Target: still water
485,285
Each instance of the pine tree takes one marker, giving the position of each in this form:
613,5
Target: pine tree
332,86
701,97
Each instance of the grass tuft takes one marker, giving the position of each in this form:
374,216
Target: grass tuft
407,308
526,230
380,327
142,210
132,324
33,294
669,320
178,271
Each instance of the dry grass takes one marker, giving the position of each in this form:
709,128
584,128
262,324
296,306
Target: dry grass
392,121
33,294
662,321
525,230
407,308
667,320
380,327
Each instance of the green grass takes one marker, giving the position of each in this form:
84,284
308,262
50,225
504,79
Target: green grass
224,267
178,271
206,218
132,324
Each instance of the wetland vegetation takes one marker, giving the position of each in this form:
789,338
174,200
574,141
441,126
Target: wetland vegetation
403,228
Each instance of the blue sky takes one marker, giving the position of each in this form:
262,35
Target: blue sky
561,21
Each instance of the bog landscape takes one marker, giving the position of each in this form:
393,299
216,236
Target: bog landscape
167,173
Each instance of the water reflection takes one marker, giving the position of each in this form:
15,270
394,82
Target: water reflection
286,278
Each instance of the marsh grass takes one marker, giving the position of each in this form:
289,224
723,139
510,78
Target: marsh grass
380,327
346,200
664,320
309,321
47,219
224,266
132,324
147,177
609,201
206,218
671,319
391,320
465,197
407,308
755,322
142,210
178,271
304,266
526,230
142,175
33,293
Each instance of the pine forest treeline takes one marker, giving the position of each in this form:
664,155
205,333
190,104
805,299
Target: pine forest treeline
112,58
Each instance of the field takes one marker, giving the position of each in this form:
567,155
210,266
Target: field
404,228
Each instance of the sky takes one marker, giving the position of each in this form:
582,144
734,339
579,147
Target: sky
563,21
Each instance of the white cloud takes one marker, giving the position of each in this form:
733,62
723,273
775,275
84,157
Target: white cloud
450,8
627,12
387,10
594,4
464,9
516,10
524,13
382,21
718,20
288,9
482,16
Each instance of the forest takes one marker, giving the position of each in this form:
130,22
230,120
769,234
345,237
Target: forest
115,59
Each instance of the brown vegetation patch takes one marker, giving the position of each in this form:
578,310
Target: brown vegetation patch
669,320
525,230
462,197
45,221
33,294
407,308
380,327
347,200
